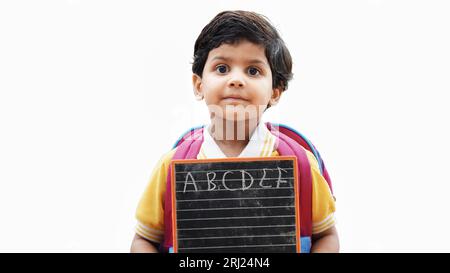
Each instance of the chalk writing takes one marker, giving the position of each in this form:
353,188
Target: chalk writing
233,180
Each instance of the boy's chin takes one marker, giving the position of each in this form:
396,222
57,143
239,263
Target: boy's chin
238,114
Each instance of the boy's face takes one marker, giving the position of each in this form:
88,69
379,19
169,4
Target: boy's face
236,82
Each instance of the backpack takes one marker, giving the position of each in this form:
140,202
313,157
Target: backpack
291,143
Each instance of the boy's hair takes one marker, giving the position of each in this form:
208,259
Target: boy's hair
231,27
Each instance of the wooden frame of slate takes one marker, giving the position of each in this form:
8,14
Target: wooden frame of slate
235,205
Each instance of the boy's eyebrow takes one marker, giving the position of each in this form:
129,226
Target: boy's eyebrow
252,61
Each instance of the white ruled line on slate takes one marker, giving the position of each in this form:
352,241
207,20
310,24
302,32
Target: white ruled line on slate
271,226
248,198
231,218
238,179
210,247
240,189
202,209
232,237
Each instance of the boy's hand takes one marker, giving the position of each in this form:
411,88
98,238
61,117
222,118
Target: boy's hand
142,245
326,241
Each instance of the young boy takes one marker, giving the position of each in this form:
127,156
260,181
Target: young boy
241,67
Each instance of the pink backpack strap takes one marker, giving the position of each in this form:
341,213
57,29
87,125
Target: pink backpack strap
305,143
189,134
287,146
188,149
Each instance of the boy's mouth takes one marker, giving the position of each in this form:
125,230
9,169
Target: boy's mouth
234,99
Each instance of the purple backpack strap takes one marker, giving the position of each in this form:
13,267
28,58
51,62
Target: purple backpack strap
188,149
288,146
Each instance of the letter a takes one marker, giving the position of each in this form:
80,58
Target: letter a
189,175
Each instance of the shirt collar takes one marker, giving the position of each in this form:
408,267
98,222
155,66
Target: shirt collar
261,143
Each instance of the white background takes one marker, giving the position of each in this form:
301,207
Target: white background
92,93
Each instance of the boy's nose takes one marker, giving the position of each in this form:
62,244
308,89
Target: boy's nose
236,80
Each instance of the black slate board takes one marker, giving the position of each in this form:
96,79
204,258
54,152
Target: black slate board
235,205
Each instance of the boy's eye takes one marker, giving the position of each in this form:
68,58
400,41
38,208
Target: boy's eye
221,69
253,71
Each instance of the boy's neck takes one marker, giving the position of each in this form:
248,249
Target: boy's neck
232,136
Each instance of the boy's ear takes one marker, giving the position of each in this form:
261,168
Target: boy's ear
197,84
276,95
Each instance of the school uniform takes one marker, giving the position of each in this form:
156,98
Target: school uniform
262,143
